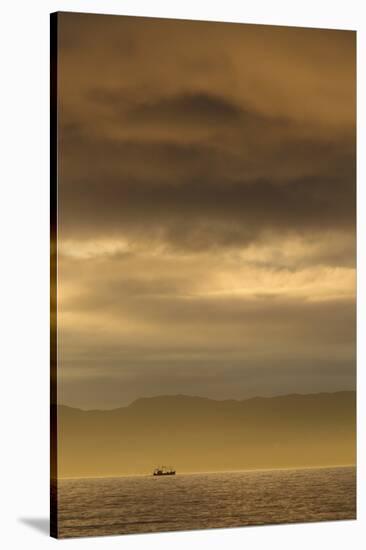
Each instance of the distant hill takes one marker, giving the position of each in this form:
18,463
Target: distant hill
199,434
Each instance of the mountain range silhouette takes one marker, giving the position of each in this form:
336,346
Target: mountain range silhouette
201,434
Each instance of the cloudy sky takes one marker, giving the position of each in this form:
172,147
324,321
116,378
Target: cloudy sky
206,209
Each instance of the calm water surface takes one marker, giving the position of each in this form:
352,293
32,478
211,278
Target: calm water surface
109,506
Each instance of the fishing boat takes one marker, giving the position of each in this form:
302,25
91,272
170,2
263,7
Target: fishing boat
163,471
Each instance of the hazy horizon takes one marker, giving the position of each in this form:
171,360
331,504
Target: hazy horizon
199,472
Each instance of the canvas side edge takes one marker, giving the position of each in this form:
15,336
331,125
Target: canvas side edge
54,531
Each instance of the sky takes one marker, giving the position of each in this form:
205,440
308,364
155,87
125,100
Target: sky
206,210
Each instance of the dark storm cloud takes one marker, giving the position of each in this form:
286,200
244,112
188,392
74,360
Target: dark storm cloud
196,215
198,106
194,106
196,195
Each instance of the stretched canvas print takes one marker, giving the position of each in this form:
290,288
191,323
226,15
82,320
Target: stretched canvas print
203,306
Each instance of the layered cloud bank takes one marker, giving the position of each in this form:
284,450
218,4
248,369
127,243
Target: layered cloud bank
206,209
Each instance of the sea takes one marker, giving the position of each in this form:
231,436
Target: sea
145,504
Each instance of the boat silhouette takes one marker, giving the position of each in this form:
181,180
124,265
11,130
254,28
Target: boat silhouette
163,471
